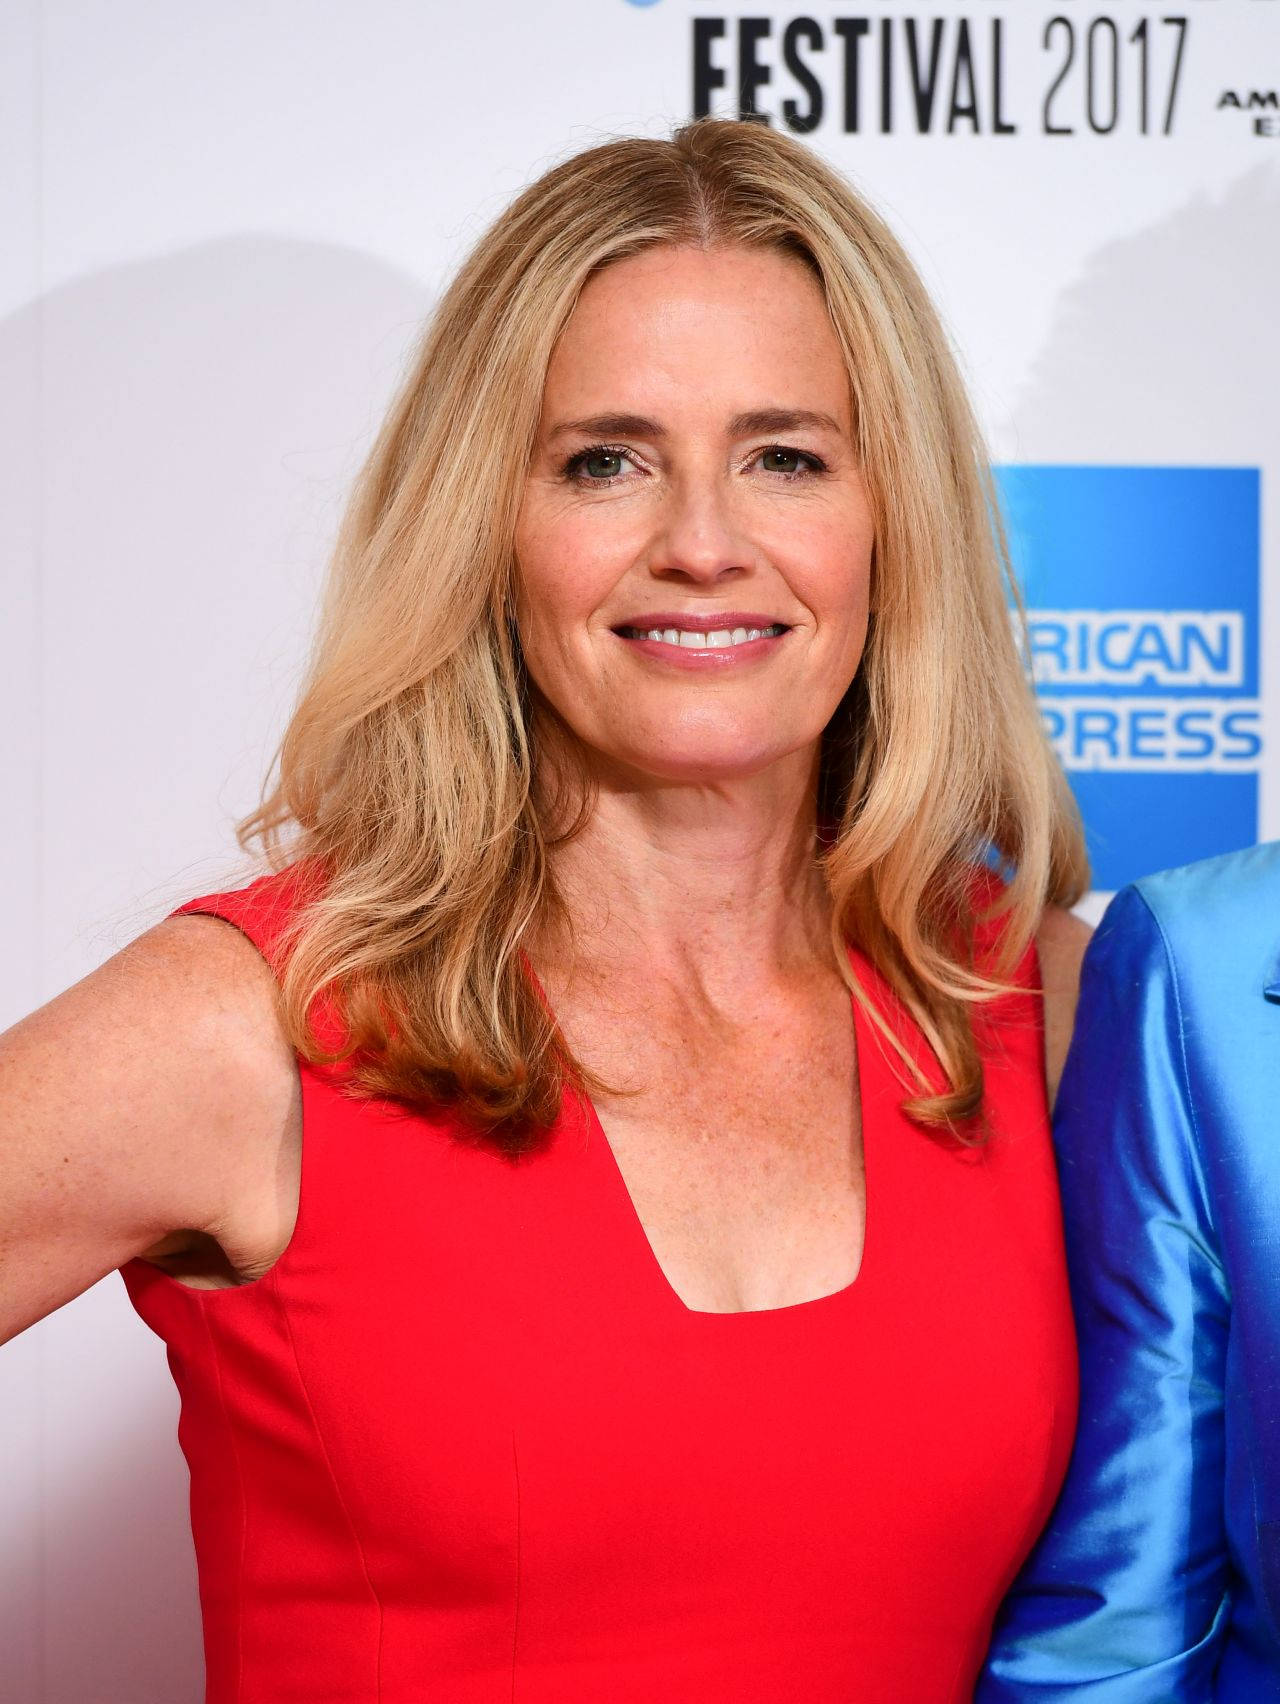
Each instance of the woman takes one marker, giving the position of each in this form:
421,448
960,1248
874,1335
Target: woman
511,1259
1159,1579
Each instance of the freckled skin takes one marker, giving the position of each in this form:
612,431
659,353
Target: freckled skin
701,983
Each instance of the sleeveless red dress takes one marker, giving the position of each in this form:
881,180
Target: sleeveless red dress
464,1443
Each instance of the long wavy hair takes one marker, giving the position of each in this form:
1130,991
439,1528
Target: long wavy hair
408,774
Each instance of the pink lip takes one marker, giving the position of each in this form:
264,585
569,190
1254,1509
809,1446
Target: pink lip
717,658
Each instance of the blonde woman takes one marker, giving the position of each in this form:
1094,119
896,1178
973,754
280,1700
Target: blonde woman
598,1196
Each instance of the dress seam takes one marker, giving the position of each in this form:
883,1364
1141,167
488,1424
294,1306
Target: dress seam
244,1516
333,1480
515,1618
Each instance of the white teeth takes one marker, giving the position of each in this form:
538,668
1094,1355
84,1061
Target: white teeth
717,640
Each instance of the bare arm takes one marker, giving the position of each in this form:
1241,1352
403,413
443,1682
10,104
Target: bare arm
155,1096
1060,941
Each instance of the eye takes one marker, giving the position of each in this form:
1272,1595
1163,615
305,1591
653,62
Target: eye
790,464
597,465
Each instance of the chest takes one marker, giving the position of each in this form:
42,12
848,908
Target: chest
737,1143
555,1468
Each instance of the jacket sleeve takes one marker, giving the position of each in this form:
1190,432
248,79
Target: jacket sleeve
1126,1597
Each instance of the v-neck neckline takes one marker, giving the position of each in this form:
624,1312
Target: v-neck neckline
869,1062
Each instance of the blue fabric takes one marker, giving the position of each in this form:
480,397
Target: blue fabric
1158,1580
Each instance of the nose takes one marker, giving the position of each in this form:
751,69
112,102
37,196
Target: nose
697,541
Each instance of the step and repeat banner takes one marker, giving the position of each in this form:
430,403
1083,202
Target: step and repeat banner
225,227
1075,146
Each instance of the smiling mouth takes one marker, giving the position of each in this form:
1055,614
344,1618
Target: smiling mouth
700,639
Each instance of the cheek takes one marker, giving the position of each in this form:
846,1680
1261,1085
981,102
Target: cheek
559,584
565,566
833,579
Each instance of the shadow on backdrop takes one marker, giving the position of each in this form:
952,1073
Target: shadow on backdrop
1165,338
200,416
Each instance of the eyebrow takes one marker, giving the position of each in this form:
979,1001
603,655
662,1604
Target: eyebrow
741,426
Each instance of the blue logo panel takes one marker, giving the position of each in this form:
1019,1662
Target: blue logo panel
1141,586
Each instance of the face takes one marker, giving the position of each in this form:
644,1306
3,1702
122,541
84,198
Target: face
694,543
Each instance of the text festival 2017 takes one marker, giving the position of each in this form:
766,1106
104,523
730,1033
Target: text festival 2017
938,75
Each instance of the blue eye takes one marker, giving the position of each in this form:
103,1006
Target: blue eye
598,465
602,464
791,464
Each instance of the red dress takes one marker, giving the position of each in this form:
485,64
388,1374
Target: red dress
463,1442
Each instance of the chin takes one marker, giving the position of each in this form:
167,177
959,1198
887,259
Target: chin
706,763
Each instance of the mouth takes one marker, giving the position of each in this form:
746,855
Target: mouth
702,633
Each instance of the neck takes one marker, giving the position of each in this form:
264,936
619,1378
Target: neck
715,884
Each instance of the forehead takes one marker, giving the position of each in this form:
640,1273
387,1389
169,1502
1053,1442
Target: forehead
728,325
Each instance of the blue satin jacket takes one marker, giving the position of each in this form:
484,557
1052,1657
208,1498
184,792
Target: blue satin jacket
1158,1580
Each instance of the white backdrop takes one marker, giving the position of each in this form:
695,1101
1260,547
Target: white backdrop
223,228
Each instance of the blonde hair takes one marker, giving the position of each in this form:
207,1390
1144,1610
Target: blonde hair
408,770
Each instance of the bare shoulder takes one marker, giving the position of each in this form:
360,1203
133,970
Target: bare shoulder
145,1100
212,969
190,1003
1061,940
